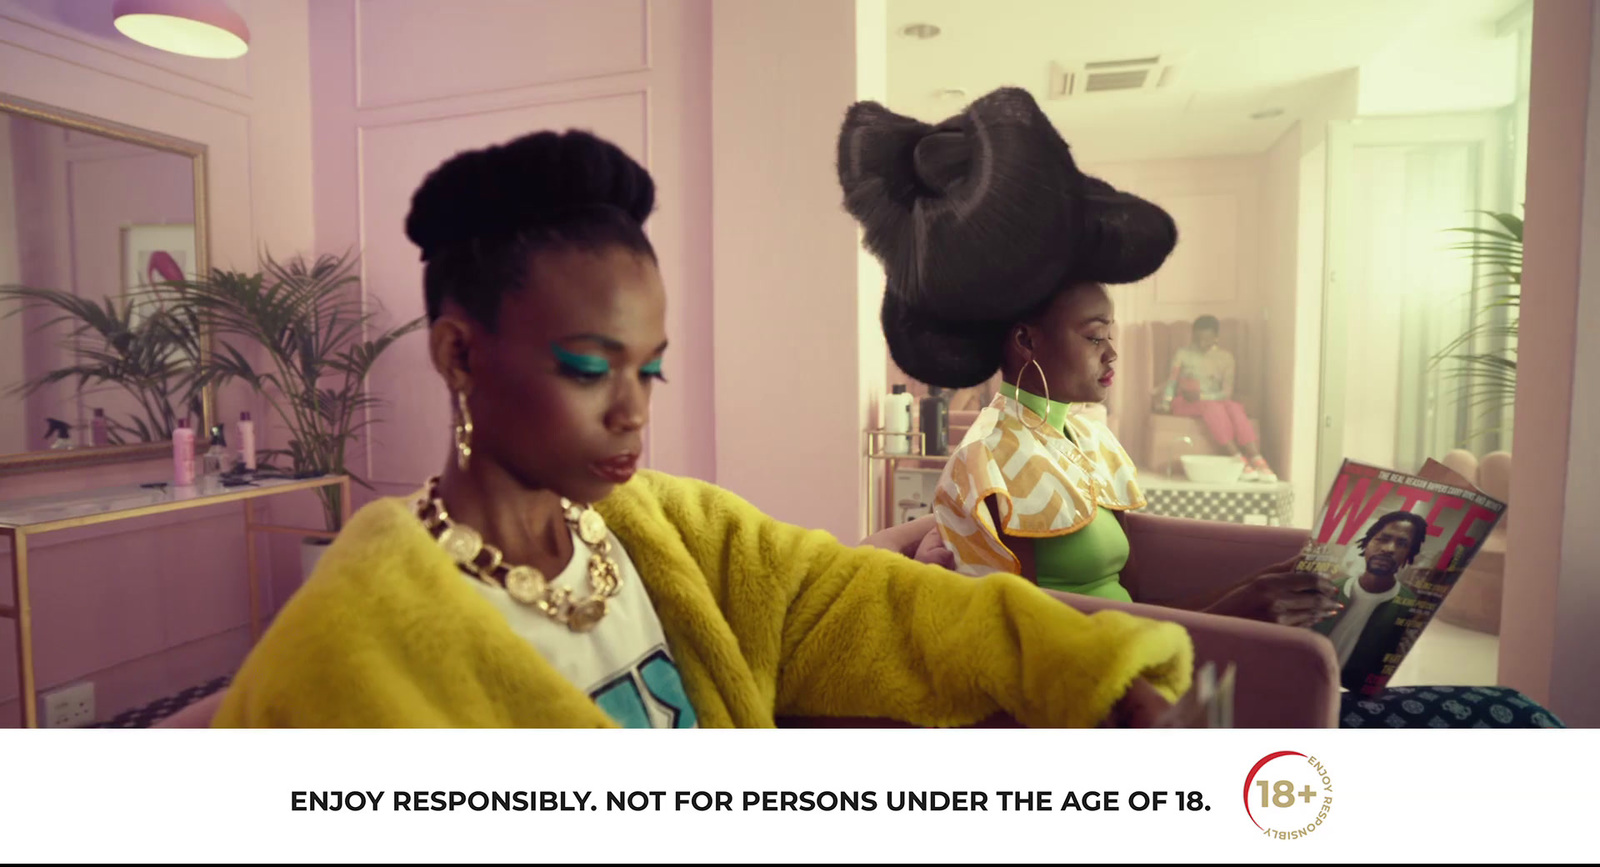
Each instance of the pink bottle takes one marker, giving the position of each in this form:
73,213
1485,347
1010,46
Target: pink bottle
183,454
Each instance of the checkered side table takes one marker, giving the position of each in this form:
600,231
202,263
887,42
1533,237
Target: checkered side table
1241,503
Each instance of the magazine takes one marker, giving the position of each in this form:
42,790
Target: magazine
1393,544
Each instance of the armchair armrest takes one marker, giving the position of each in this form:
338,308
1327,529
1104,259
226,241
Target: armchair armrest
1176,560
1285,677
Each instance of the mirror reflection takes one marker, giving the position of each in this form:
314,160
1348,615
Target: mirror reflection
93,229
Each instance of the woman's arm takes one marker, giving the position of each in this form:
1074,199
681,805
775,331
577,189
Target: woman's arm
917,539
901,537
1170,390
861,632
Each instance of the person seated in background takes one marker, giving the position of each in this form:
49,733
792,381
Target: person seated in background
1200,385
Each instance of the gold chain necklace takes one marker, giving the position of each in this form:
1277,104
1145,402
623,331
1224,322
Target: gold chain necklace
526,584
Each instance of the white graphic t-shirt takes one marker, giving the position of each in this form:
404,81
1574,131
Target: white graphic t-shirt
1359,605
623,663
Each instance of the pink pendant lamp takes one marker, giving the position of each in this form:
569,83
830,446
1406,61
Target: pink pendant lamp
198,28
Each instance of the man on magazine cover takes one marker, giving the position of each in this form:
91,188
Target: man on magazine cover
1390,544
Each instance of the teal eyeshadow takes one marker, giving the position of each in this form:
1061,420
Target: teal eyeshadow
587,364
652,368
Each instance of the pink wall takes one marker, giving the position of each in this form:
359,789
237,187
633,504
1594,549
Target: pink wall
1279,252
794,373
1547,645
146,608
1574,689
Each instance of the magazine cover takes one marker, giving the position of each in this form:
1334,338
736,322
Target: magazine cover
1393,544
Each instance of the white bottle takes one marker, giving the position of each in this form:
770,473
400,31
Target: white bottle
897,420
247,441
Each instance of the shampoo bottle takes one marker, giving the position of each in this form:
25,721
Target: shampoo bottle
100,429
183,455
897,421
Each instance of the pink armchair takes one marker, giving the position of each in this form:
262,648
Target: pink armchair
1287,677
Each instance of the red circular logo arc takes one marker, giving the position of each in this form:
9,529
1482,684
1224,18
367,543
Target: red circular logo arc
1252,776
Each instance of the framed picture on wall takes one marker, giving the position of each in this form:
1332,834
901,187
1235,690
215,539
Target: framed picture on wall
155,253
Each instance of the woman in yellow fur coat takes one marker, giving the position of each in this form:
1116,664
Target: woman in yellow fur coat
496,596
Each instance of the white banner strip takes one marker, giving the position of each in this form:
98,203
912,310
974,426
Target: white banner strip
837,795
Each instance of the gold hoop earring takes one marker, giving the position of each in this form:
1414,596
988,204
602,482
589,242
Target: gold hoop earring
463,432
1043,420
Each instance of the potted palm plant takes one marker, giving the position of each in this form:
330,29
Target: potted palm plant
317,345
1484,358
148,345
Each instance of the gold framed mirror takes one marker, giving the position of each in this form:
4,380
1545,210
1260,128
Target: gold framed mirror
96,218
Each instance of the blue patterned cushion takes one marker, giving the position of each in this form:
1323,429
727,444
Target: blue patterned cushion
1456,707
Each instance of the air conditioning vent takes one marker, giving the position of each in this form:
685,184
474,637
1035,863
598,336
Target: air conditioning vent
1109,76
1130,80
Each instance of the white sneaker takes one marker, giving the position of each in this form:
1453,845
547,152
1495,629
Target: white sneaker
1249,474
1261,472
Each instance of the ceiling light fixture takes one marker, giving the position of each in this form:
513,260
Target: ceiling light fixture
197,28
920,31
1266,113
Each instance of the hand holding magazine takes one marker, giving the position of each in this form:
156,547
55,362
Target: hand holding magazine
1394,544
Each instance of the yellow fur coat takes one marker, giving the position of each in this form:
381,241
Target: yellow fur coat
763,618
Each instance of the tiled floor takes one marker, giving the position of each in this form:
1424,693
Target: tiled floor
154,712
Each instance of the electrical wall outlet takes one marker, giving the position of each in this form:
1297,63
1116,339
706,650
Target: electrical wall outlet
70,706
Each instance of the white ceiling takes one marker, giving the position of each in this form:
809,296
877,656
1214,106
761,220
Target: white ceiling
1233,58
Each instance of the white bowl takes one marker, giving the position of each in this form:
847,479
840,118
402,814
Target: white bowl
1212,469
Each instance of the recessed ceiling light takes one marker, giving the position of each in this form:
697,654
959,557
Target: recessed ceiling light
1266,113
951,93
920,31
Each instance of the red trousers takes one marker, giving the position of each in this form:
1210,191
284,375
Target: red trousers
1224,419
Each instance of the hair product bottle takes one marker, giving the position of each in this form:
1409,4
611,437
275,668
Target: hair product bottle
183,454
247,441
935,415
897,421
